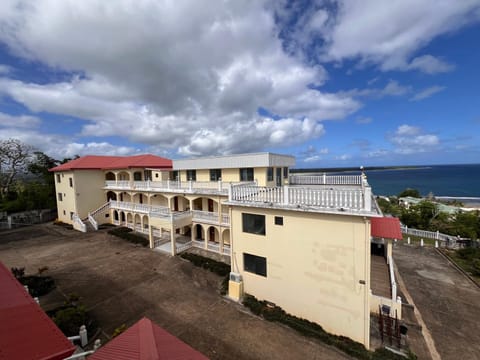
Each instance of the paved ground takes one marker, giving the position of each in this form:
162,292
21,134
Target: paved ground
448,302
120,283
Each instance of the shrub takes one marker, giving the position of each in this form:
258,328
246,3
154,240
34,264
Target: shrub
127,234
38,285
70,318
217,267
119,330
272,312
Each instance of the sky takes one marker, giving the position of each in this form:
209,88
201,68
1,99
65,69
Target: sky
334,83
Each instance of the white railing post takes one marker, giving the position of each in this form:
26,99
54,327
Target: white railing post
219,185
368,198
190,185
324,178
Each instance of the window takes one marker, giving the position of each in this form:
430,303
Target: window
285,172
253,224
58,178
64,212
192,175
215,174
246,174
270,174
255,264
70,181
175,175
60,197
278,220
156,175
137,176
71,215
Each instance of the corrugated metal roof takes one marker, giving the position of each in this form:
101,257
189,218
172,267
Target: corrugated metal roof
146,341
386,228
26,332
94,162
265,159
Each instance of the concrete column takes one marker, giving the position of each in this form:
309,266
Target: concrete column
172,236
421,242
150,235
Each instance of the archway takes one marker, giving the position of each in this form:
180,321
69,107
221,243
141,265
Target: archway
115,215
122,217
110,176
145,222
213,234
123,176
226,237
198,232
111,196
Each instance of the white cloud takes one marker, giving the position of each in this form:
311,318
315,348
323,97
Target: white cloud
343,157
151,76
429,65
426,93
409,139
312,158
21,121
60,146
363,120
4,69
387,33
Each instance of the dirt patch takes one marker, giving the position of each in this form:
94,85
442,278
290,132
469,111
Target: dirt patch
120,283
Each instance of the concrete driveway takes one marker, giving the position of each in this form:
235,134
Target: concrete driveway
448,302
120,283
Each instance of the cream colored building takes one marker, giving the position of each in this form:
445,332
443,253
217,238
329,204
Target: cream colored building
301,242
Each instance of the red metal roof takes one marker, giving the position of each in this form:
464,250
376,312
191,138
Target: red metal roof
146,341
386,228
94,162
26,332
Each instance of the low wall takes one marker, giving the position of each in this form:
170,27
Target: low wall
377,301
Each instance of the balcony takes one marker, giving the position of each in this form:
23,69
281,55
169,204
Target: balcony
153,211
342,194
203,187
210,218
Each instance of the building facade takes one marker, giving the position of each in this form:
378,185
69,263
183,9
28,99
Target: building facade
301,242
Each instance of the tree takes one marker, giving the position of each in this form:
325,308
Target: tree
410,193
14,156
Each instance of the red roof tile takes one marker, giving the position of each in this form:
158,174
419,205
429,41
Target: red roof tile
386,228
95,162
146,341
26,332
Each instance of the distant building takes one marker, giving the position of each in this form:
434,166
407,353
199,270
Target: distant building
302,242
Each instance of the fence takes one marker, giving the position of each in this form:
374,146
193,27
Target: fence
445,239
26,218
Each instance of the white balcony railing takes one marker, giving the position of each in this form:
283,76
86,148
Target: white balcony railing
325,179
170,185
347,199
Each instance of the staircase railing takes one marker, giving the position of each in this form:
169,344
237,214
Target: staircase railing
78,224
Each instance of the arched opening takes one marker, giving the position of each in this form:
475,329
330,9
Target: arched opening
115,215
199,233
213,234
139,198
111,196
123,176
226,237
205,204
138,221
129,220
159,200
145,222
122,217
137,176
180,203
110,176
124,196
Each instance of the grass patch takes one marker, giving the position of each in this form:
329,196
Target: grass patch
127,234
305,327
217,267
468,259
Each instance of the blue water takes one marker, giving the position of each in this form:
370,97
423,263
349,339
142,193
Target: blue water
441,180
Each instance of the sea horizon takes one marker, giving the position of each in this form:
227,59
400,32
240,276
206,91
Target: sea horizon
455,181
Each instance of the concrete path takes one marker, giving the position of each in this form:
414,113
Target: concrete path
120,283
448,302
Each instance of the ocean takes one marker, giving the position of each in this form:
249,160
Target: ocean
456,181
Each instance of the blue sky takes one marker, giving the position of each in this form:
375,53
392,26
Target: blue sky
335,83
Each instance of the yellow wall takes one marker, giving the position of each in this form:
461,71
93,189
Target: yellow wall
67,205
315,263
230,175
89,194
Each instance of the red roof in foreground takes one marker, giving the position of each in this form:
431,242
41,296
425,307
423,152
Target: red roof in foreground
146,341
386,228
94,162
26,332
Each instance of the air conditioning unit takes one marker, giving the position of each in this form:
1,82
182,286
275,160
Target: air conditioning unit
236,277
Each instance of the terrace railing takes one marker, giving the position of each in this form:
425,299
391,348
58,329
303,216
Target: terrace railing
348,199
325,179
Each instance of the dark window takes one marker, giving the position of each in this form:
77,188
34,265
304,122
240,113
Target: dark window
64,212
215,174
253,224
58,178
147,175
175,175
270,174
70,181
71,215
192,175
278,220
285,172
60,197
246,174
137,176
156,175
255,264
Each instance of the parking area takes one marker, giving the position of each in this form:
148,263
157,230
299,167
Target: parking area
120,283
447,301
